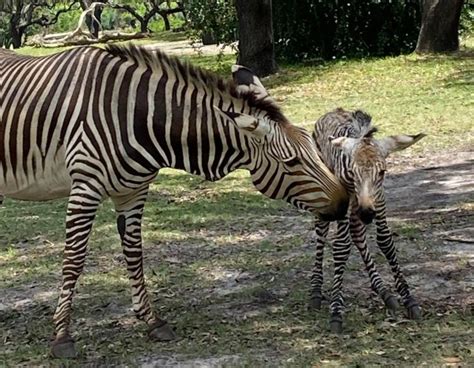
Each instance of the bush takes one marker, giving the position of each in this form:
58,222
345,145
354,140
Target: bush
215,19
351,28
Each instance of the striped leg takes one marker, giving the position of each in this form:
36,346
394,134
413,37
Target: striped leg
385,243
129,211
82,207
358,235
341,250
321,229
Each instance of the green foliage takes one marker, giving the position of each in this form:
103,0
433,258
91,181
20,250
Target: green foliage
466,26
212,18
334,28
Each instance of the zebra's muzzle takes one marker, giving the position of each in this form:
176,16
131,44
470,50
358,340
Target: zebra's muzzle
366,215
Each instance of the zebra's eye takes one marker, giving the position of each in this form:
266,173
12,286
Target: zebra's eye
292,161
382,173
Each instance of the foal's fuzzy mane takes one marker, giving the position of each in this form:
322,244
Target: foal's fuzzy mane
157,59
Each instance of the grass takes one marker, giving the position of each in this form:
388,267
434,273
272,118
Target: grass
228,267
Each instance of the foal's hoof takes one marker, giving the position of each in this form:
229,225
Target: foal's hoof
414,312
413,308
63,348
161,331
315,302
335,324
391,303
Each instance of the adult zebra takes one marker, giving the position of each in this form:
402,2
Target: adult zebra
91,123
346,145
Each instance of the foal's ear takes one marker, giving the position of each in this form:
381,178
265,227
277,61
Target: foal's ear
395,143
246,80
258,128
346,144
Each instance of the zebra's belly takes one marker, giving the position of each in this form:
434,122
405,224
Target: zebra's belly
51,182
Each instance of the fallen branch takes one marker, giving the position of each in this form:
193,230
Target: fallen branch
83,39
459,240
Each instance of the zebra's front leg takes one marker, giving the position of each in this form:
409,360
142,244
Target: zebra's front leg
129,211
341,250
358,235
321,231
386,244
82,207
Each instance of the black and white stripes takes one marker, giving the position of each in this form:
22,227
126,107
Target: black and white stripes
91,123
346,145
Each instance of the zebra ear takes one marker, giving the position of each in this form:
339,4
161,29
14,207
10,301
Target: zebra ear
395,143
346,144
250,124
246,80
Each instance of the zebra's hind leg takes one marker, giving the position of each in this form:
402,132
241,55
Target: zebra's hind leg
341,250
321,231
386,244
358,235
82,207
129,211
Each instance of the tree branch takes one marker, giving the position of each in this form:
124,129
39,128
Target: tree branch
129,9
44,20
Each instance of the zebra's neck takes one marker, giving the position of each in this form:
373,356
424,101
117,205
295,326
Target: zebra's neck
177,123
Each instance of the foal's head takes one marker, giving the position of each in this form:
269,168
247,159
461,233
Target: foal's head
368,165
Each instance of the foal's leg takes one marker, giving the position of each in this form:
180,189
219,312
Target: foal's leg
321,231
81,210
341,250
358,234
386,244
129,211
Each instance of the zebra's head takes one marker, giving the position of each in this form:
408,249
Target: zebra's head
284,163
368,166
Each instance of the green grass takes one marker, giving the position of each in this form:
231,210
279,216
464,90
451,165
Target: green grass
200,237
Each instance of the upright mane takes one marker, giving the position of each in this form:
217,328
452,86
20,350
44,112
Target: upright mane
157,59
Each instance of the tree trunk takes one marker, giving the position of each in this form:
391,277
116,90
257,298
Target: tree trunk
167,21
91,23
16,36
439,26
143,26
256,49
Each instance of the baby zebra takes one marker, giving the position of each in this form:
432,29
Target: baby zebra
346,145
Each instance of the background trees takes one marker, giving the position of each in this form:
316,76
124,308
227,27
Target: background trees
267,29
18,15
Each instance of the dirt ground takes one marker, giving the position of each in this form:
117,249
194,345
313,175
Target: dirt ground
436,195
431,209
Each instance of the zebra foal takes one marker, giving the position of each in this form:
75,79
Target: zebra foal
90,123
346,145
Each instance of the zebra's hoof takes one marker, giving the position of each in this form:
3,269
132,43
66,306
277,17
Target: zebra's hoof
63,348
391,303
161,331
335,324
315,302
414,312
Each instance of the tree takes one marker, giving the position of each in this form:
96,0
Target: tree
94,19
22,14
152,8
256,49
439,26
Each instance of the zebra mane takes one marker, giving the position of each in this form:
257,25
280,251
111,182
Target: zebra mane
365,123
157,59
